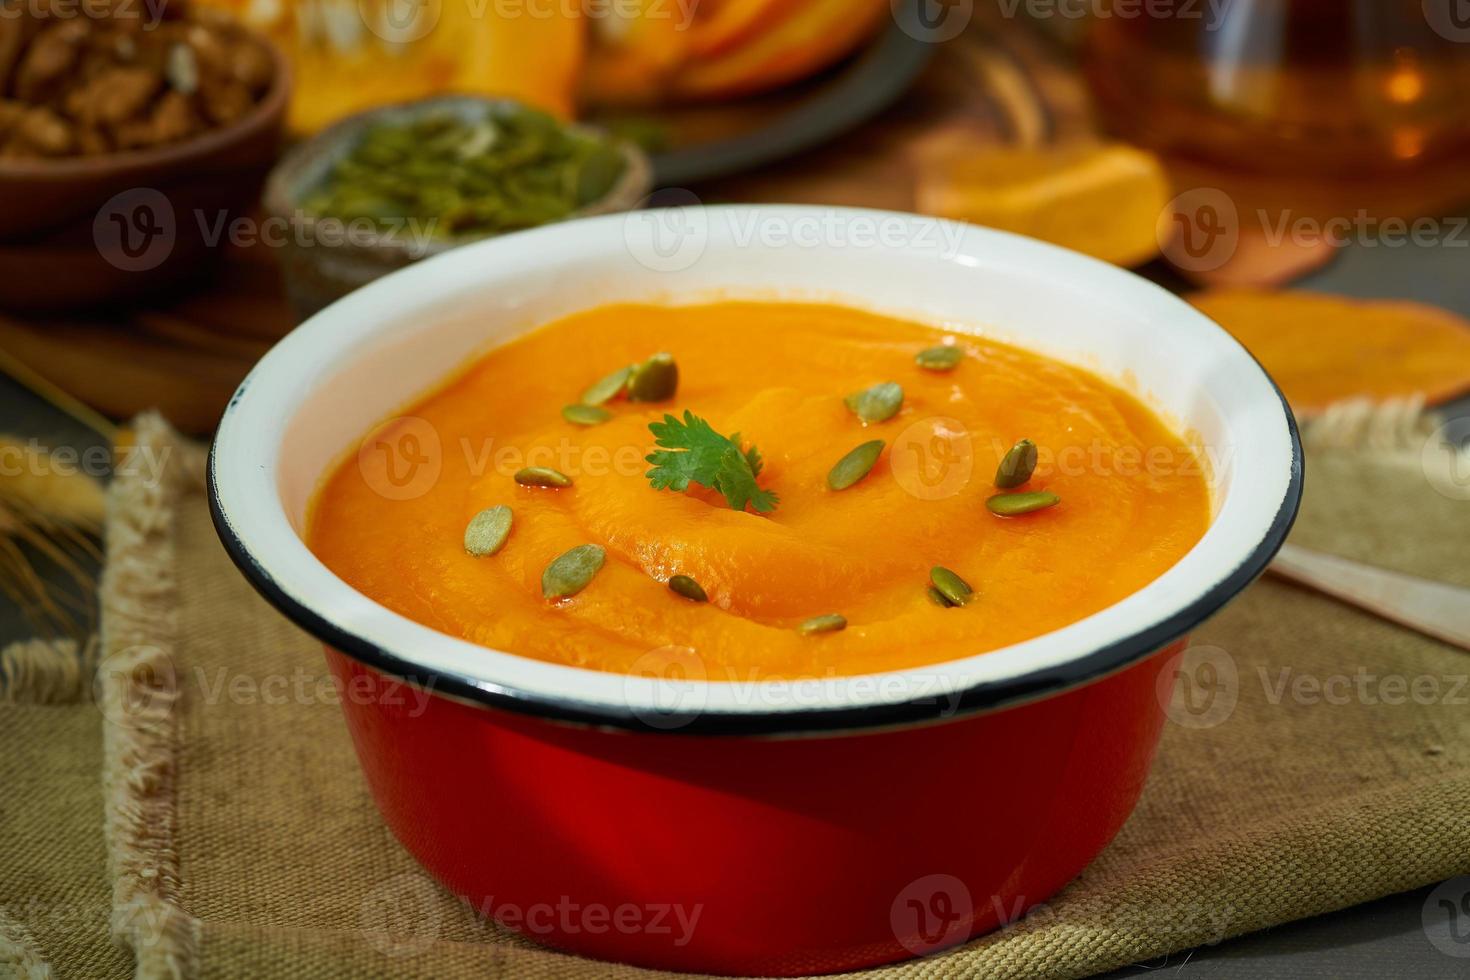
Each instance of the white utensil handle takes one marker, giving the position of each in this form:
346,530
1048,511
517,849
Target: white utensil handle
1434,608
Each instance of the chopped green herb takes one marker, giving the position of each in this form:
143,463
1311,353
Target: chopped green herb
693,452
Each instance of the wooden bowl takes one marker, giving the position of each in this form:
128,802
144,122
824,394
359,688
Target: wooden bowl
88,232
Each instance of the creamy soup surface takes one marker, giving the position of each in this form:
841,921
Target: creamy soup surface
1133,497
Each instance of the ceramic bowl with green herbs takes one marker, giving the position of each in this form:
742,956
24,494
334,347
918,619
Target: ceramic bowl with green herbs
388,187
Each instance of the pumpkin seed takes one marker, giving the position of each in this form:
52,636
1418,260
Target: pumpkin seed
876,404
570,572
1017,465
542,476
1016,504
944,358
487,531
937,597
585,414
467,177
688,588
655,380
855,465
823,624
950,586
605,389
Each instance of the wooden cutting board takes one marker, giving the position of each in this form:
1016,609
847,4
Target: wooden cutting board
184,358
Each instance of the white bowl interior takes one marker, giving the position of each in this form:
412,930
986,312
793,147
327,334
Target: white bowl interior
372,354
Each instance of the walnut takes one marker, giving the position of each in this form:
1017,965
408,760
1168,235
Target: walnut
224,102
96,79
174,118
250,65
210,53
12,39
45,131
93,141
49,58
120,94
10,113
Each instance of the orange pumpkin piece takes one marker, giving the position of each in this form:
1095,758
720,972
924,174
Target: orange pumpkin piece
1323,349
810,36
1101,200
352,55
722,24
631,58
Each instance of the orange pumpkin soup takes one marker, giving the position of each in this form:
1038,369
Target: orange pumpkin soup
826,555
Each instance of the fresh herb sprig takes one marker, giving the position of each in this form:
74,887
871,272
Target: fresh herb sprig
693,452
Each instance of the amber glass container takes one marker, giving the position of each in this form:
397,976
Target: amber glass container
1306,88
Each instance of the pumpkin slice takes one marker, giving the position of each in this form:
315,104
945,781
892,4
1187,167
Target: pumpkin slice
1103,200
723,24
633,55
1323,349
813,35
348,56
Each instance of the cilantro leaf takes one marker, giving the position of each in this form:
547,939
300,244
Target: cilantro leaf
693,452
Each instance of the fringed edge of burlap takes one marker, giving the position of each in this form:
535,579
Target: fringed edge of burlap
138,691
47,671
1394,426
19,956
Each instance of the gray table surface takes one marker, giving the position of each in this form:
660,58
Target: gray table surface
1424,934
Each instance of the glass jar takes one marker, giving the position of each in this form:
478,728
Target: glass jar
1314,88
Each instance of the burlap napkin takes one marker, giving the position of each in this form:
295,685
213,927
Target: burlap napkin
207,813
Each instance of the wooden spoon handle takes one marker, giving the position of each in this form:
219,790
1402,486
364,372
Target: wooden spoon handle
1433,608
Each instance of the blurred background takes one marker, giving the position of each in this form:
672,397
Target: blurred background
181,183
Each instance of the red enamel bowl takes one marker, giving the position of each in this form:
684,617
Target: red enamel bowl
776,828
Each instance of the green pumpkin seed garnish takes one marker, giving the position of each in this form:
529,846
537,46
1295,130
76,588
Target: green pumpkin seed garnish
822,624
950,586
688,588
876,404
570,572
585,414
655,380
487,531
1017,465
943,358
542,476
1016,504
855,465
937,597
460,177
605,389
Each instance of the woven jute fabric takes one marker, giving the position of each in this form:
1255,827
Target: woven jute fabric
198,812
